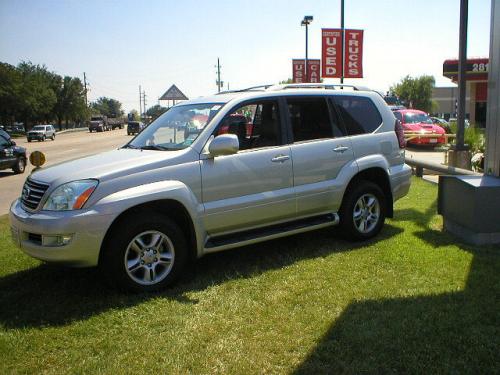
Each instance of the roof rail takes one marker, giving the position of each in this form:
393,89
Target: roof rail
253,88
325,86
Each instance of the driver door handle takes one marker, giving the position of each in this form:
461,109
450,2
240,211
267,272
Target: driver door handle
341,148
280,158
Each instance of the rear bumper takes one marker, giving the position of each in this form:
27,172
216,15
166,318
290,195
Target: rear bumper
400,177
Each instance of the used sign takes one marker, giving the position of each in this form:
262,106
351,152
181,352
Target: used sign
299,69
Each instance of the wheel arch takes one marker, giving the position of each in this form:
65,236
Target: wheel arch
380,177
171,208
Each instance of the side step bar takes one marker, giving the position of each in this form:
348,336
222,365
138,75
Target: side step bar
232,240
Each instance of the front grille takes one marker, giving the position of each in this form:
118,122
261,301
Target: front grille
33,193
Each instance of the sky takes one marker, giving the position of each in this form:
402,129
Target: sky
156,43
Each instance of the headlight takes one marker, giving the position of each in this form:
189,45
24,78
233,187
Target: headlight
70,196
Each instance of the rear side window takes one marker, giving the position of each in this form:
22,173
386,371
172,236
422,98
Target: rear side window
359,114
310,119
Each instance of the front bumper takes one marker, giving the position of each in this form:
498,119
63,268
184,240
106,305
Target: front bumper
35,136
86,228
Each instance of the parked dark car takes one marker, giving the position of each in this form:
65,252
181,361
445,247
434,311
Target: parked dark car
134,127
11,156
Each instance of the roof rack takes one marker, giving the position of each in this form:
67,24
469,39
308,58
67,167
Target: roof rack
325,86
253,88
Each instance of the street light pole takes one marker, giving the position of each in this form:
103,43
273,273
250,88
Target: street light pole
305,22
342,53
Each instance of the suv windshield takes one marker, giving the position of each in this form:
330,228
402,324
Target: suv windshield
177,128
417,118
39,127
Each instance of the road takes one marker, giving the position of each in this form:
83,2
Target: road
67,146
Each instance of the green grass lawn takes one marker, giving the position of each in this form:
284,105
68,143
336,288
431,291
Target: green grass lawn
414,300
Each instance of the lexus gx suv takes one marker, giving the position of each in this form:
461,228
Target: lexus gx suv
263,163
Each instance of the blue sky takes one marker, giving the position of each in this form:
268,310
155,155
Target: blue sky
124,44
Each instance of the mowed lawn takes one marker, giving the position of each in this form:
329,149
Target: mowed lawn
414,300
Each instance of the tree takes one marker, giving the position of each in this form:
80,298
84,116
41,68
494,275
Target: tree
108,107
416,92
156,111
10,87
70,101
37,92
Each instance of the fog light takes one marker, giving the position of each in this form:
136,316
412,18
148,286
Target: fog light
59,240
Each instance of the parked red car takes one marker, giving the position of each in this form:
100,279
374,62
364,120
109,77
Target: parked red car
415,121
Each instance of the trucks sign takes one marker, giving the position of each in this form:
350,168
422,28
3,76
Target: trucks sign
331,41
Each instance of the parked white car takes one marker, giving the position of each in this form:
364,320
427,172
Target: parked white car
41,133
263,163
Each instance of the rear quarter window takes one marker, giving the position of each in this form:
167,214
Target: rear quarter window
358,113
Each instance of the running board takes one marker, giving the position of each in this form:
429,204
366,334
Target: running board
232,240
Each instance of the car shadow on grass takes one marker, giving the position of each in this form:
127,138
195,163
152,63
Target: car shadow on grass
52,296
453,332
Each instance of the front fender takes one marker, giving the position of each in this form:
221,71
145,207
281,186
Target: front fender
120,201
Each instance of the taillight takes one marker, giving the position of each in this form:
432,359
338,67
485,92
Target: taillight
398,128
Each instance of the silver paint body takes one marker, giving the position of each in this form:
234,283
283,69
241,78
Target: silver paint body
229,193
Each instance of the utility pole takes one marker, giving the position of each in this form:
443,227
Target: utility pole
219,83
140,101
144,102
85,85
462,67
343,40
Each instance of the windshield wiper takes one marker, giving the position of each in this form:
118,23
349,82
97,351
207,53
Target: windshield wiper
130,146
155,147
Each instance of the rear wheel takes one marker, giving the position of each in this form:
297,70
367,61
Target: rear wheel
20,165
144,254
44,138
363,211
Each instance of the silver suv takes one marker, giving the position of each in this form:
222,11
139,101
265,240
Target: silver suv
41,133
254,165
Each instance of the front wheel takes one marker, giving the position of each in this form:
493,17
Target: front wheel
44,138
53,137
144,254
20,165
363,211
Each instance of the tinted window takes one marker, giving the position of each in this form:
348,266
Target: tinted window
255,124
358,113
4,141
310,119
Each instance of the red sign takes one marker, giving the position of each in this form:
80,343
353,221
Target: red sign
299,68
353,57
331,54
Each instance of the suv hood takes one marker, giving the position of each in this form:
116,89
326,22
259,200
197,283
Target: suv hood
110,165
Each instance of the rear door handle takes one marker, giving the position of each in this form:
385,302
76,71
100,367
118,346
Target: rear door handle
341,149
280,158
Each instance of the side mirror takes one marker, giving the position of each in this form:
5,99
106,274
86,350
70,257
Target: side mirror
225,144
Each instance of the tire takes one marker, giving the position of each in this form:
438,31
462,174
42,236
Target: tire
128,133
361,204
29,140
53,137
123,248
20,165
44,138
